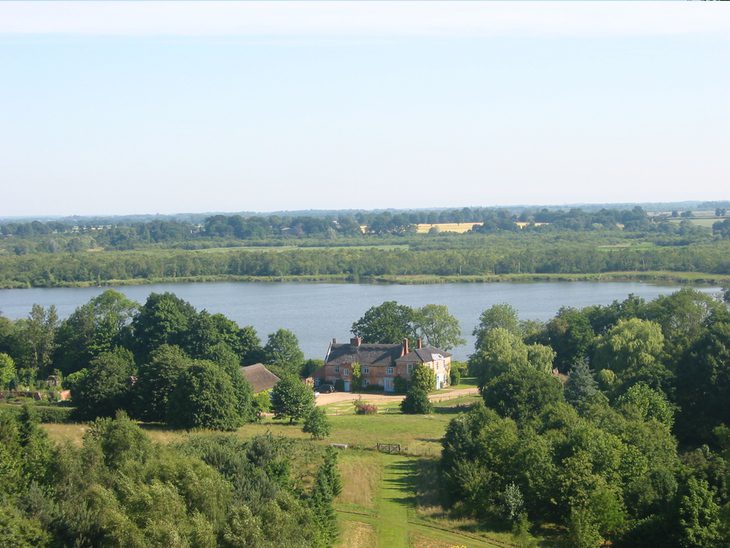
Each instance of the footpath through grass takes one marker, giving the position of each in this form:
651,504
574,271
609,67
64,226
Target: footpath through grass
379,507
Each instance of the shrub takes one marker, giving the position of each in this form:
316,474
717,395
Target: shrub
317,424
45,413
362,408
416,402
340,385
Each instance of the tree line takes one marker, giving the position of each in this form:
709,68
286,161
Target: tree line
64,236
492,257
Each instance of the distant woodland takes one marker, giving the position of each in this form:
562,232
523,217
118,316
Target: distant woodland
364,246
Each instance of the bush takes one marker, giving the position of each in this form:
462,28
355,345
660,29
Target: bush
340,385
317,424
416,402
362,408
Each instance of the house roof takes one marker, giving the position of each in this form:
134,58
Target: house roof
364,354
425,354
259,377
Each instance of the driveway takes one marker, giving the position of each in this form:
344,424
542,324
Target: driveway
336,397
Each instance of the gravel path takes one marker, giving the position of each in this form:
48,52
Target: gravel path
336,397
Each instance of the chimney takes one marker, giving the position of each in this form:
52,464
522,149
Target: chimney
405,347
420,342
356,341
334,341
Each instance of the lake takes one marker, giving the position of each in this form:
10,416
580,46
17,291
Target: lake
319,312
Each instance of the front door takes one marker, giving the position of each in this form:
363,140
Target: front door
347,386
388,384
439,382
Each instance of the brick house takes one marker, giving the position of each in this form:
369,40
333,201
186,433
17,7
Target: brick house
380,364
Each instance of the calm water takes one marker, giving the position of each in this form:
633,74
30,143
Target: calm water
319,312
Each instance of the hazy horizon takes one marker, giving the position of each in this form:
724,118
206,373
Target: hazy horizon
181,107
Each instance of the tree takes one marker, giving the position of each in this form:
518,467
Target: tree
204,397
39,334
683,317
647,404
92,329
581,387
437,327
522,393
502,316
7,370
291,398
703,385
541,357
570,334
282,350
163,319
633,349
698,516
107,386
317,424
388,323
499,351
156,380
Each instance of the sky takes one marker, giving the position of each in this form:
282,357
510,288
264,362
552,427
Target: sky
147,107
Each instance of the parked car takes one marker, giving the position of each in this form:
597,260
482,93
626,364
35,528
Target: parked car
325,388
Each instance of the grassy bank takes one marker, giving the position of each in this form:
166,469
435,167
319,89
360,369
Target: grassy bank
656,277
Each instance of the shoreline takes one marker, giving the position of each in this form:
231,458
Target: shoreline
652,277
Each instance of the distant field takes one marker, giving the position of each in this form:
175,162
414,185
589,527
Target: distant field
706,222
459,228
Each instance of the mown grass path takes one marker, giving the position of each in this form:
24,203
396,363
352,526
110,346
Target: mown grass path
395,497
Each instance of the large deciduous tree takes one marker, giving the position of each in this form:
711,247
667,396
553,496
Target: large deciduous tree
107,386
282,350
92,329
204,397
437,327
163,319
388,323
634,350
156,380
570,334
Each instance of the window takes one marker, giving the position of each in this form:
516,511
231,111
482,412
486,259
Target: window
345,372
337,368
388,370
365,370
364,383
409,368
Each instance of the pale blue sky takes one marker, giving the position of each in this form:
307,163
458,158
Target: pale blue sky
129,108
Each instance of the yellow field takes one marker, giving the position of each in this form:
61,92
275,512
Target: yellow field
459,228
